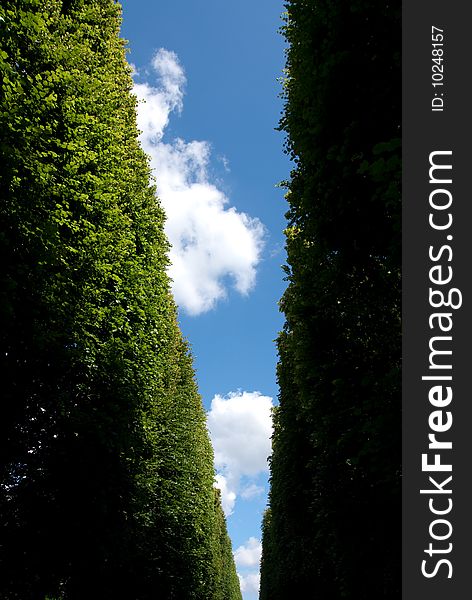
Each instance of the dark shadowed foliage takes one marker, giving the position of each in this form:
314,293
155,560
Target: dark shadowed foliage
333,526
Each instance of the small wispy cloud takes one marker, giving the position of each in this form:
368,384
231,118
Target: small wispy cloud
252,491
212,243
225,162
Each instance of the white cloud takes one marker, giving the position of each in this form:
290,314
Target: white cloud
250,583
240,426
252,491
228,497
211,241
156,104
225,163
249,555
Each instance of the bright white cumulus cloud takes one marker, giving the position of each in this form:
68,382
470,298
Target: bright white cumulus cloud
240,426
228,496
212,243
247,559
249,583
249,554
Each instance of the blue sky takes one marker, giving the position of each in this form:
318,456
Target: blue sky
206,74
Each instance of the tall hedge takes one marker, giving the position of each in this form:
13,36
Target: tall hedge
106,468
227,584
333,525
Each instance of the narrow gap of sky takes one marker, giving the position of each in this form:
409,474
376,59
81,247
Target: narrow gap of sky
214,84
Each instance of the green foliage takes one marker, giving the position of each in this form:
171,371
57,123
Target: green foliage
268,562
106,468
227,582
334,520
